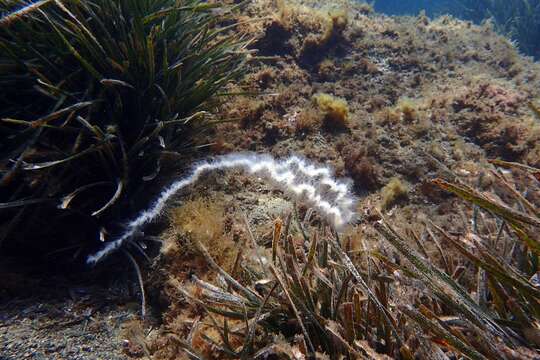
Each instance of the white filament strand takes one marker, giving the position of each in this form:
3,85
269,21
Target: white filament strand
301,180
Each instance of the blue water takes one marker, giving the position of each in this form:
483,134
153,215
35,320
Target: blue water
413,7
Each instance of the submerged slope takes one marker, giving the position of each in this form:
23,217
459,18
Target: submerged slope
408,97
388,102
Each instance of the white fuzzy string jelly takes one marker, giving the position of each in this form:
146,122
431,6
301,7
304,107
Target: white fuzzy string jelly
301,180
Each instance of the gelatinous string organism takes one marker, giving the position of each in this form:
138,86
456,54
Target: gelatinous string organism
298,178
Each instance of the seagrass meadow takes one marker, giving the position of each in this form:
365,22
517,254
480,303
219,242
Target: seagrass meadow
226,144
94,96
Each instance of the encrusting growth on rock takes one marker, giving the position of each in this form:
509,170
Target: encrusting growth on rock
335,110
393,192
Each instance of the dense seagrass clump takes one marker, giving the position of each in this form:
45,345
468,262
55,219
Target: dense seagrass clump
92,93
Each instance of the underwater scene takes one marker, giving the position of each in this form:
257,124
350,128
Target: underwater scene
270,179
